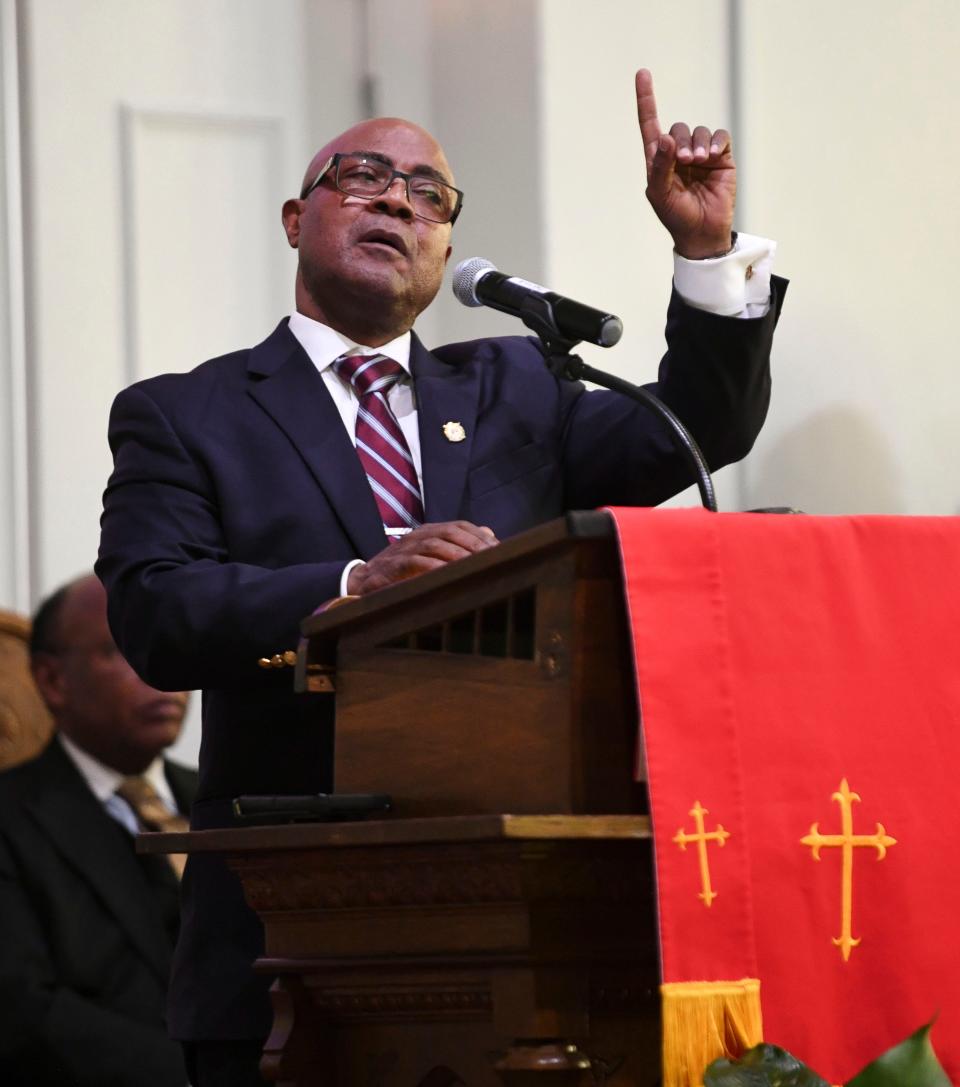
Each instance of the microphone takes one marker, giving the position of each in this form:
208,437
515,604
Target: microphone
476,282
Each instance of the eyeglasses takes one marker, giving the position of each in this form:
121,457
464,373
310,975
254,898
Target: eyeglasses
368,178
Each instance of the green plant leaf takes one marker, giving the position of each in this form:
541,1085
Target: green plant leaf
763,1066
912,1063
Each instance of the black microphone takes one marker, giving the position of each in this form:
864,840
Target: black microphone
476,282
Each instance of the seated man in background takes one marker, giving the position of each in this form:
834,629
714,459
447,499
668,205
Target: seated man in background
88,927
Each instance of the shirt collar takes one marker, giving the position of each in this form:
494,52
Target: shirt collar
325,345
104,780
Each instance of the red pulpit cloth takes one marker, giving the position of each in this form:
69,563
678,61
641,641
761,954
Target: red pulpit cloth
799,690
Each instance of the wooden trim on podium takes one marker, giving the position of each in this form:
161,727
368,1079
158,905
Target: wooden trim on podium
481,950
464,828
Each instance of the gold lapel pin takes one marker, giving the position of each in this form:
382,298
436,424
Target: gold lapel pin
454,431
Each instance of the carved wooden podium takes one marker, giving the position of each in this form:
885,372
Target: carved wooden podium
498,927
501,683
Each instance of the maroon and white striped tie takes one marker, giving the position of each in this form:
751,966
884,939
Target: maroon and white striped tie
381,446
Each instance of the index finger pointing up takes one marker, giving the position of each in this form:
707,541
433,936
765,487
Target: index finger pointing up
647,115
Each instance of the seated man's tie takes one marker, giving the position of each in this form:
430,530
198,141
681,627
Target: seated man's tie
153,814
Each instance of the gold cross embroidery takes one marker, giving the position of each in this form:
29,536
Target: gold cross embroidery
701,837
847,841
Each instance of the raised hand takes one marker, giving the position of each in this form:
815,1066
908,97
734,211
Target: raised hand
691,179
425,548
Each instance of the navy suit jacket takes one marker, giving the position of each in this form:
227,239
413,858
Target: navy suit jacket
84,953
237,498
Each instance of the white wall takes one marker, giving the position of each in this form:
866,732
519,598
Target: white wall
851,150
606,247
161,139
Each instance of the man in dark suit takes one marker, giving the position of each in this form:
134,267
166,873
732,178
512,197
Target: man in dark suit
247,491
88,927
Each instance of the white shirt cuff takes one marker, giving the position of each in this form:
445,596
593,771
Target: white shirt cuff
734,285
345,576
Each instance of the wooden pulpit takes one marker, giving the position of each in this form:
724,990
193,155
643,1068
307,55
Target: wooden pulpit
497,927
501,683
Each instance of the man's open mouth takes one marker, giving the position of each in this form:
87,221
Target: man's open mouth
385,237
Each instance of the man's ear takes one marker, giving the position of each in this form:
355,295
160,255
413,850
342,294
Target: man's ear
48,676
292,209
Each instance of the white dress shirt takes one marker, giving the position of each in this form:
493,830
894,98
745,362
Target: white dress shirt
325,345
104,782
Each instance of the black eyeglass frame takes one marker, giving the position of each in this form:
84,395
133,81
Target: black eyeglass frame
333,163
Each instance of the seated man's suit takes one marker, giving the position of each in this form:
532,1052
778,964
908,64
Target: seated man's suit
88,929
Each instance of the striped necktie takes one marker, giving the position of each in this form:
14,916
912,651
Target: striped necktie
381,446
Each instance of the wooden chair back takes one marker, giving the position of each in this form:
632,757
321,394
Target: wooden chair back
25,723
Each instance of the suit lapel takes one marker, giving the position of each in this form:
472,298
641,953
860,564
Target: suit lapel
93,847
445,394
291,391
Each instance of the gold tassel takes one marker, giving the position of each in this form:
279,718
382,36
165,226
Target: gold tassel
703,1020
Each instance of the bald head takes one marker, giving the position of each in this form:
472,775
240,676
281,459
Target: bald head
368,267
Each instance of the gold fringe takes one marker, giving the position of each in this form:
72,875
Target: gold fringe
703,1020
